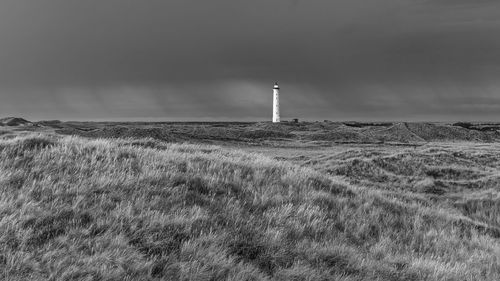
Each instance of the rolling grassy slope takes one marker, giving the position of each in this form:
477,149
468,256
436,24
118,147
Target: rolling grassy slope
79,209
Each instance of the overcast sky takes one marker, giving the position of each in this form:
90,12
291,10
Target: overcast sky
218,59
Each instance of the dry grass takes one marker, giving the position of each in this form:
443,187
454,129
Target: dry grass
79,209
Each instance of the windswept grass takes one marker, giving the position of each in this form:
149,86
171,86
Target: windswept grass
79,209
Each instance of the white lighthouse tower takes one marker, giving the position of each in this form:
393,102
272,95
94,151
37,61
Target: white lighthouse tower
276,103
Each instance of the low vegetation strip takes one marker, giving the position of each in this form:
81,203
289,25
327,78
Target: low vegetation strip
336,132
80,209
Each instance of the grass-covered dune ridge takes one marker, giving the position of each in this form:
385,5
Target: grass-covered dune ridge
284,133
79,209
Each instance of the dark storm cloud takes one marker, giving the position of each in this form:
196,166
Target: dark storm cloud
342,59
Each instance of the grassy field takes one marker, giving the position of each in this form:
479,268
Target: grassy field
286,133
74,208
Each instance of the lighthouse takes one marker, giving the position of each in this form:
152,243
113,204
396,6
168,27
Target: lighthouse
276,103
